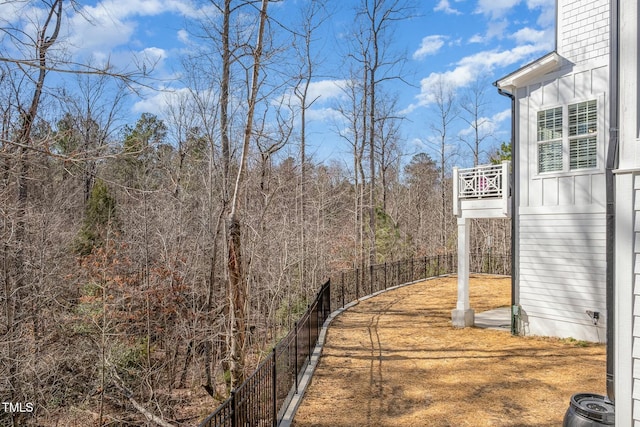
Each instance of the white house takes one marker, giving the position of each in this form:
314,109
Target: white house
576,189
561,121
561,109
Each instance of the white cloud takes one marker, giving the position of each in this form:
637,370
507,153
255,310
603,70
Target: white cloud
112,23
468,70
547,16
496,29
152,58
14,12
496,8
502,116
324,115
97,27
158,101
183,36
487,125
488,60
326,90
444,6
322,94
429,46
528,35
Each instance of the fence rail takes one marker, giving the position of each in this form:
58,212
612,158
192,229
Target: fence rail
264,396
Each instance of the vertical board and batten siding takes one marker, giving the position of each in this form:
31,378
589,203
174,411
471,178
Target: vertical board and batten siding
561,215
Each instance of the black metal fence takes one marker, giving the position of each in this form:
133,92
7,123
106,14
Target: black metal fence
262,399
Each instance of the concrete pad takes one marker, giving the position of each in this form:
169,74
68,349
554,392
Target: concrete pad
499,318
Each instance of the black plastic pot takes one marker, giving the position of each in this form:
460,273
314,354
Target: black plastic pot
589,410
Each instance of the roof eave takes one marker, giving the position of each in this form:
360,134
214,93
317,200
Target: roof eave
541,66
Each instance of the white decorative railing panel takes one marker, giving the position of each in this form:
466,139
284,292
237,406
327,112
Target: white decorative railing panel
481,181
488,183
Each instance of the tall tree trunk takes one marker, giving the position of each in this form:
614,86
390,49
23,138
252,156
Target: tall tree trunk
372,139
15,292
237,280
226,164
224,100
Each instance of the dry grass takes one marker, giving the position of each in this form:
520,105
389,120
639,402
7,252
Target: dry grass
395,360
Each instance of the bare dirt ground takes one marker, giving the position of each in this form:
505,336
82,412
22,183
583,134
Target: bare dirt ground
395,360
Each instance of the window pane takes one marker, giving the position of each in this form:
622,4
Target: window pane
583,118
550,124
550,156
583,153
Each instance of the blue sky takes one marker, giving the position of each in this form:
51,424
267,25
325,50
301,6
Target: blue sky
459,41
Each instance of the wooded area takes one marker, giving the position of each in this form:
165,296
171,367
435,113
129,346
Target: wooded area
145,258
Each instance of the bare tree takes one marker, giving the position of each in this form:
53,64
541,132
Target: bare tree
420,205
19,143
474,104
313,16
379,64
91,117
445,112
353,115
388,150
237,280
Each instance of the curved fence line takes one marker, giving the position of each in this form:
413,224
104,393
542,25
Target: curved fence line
262,399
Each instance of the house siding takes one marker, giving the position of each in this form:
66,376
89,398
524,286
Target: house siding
627,297
561,224
627,214
562,274
636,299
583,30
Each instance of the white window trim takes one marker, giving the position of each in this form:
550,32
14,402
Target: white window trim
566,171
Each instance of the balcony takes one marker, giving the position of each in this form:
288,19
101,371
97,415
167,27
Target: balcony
482,191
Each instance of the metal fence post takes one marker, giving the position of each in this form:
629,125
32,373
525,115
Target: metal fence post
451,268
342,286
295,345
385,275
397,279
328,300
412,277
370,279
274,373
234,409
309,336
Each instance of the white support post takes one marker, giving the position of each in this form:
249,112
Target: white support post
456,202
505,188
463,315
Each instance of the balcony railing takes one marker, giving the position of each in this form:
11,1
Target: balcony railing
485,182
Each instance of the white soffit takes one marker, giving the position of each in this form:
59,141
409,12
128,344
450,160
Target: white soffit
548,63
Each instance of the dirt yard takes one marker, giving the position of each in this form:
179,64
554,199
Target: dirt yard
394,360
